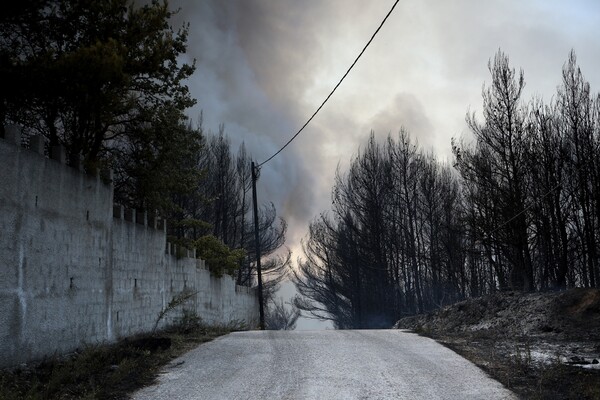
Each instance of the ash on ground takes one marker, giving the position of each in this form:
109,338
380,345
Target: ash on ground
541,345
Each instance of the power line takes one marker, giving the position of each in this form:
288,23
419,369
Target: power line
334,89
255,170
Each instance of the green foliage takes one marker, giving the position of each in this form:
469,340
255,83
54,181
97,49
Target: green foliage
101,64
182,245
186,230
155,167
190,223
219,258
104,79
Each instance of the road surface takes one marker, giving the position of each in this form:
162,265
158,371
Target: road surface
377,364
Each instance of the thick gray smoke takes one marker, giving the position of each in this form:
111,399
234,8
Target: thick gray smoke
241,84
263,67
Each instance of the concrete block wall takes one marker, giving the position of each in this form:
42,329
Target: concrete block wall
71,273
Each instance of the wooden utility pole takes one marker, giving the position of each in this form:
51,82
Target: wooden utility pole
261,309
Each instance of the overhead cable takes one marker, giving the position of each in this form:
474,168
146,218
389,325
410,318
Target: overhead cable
334,89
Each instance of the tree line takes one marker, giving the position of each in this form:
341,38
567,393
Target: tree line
105,80
218,210
519,209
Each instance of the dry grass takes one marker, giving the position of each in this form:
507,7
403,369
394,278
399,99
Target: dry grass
527,341
512,364
106,371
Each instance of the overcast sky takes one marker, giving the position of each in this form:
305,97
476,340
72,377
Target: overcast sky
264,66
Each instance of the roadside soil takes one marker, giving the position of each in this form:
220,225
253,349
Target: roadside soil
539,345
112,371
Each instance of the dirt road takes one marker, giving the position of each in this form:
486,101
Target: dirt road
381,364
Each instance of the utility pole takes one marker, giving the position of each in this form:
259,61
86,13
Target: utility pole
257,244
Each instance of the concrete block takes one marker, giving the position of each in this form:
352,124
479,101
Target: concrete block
12,134
107,176
130,215
79,165
141,217
37,143
118,211
59,153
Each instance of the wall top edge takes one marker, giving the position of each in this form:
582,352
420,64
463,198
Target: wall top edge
37,144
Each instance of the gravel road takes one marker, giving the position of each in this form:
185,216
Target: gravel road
377,364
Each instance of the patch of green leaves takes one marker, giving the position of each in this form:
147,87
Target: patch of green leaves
218,256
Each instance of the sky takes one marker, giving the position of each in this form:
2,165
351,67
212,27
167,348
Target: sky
264,66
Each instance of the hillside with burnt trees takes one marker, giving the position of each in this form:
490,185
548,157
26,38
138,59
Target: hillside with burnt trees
518,209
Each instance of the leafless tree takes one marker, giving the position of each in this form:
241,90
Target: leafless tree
281,317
